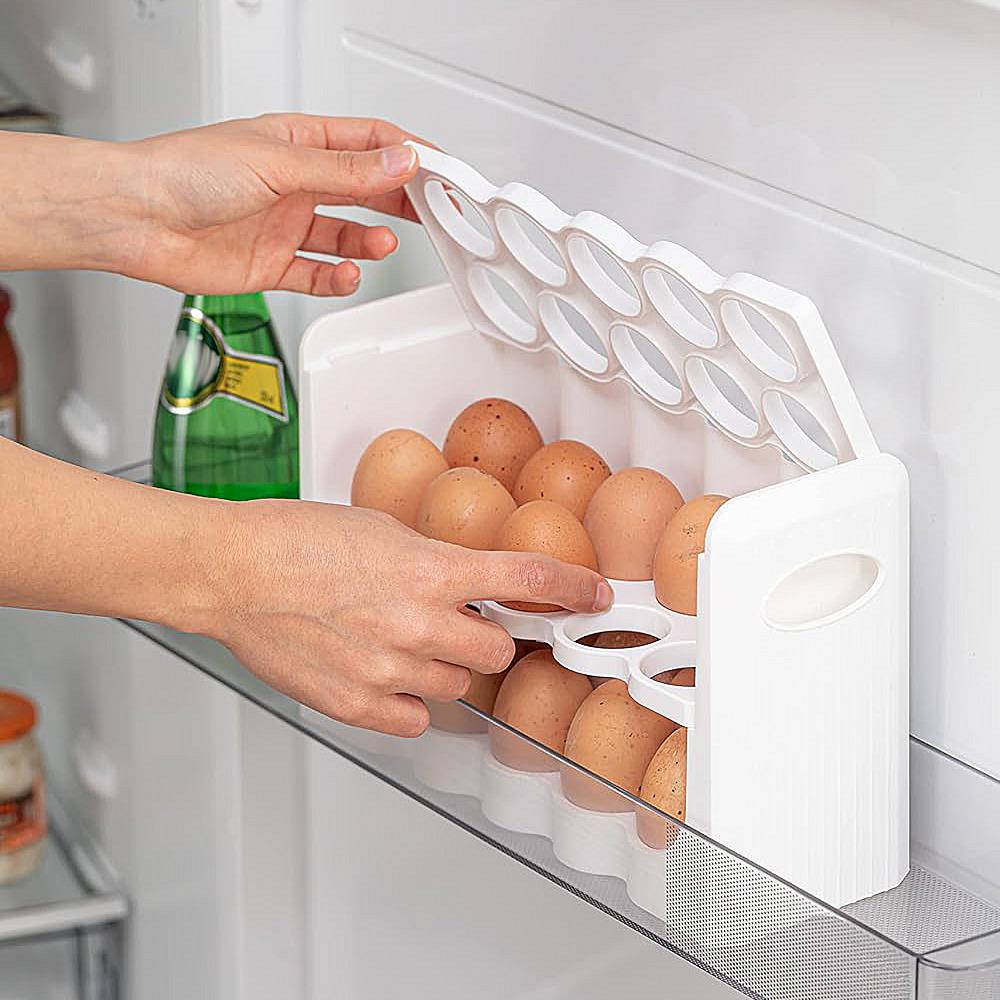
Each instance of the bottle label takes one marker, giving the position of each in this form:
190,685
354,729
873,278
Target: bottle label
203,366
8,416
22,819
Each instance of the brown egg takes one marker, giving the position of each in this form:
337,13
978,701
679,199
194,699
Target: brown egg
682,678
393,473
451,717
566,472
538,698
625,519
664,785
615,737
545,527
675,565
466,507
617,640
494,436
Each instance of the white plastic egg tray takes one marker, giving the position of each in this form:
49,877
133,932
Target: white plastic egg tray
797,745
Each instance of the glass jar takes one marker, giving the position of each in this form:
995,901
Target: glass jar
22,789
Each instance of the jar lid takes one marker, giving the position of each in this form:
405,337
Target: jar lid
17,715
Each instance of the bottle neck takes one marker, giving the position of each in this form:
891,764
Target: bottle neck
251,303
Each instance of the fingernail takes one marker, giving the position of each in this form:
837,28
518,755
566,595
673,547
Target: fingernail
397,160
605,595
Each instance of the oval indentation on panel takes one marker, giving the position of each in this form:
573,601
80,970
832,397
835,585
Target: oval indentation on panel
759,339
799,430
532,246
681,307
573,333
503,304
722,397
822,591
647,365
460,218
602,273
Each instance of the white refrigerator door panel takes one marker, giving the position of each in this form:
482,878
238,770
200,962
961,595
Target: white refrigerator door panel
884,111
144,750
914,327
436,914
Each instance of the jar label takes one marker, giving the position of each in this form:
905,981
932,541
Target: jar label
8,416
203,366
22,819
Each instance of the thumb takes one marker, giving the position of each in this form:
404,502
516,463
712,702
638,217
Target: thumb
345,173
518,576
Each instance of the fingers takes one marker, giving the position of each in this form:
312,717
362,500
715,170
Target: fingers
476,643
515,576
395,714
343,173
436,680
324,132
340,238
315,277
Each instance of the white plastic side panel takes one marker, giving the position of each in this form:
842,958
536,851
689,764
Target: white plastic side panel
803,679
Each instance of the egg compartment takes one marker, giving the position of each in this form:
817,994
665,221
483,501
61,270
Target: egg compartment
797,753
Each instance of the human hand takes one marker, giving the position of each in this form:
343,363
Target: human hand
226,208
359,617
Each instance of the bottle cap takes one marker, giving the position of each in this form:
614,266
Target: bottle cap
17,715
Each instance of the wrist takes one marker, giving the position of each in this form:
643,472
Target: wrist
206,566
69,203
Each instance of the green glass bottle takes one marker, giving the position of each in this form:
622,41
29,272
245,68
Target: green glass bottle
227,423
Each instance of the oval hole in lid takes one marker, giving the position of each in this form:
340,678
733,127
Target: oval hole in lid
531,246
573,333
647,365
604,275
680,307
722,397
822,591
759,339
460,218
799,430
503,304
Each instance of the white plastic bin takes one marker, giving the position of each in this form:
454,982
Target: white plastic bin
798,722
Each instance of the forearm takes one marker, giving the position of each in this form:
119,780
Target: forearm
78,541
67,203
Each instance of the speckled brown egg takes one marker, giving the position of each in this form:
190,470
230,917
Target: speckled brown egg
550,529
625,519
451,717
538,698
465,507
566,472
681,678
393,473
617,640
664,785
615,737
494,436
675,565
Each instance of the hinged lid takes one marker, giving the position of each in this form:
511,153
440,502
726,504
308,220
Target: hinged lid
752,357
